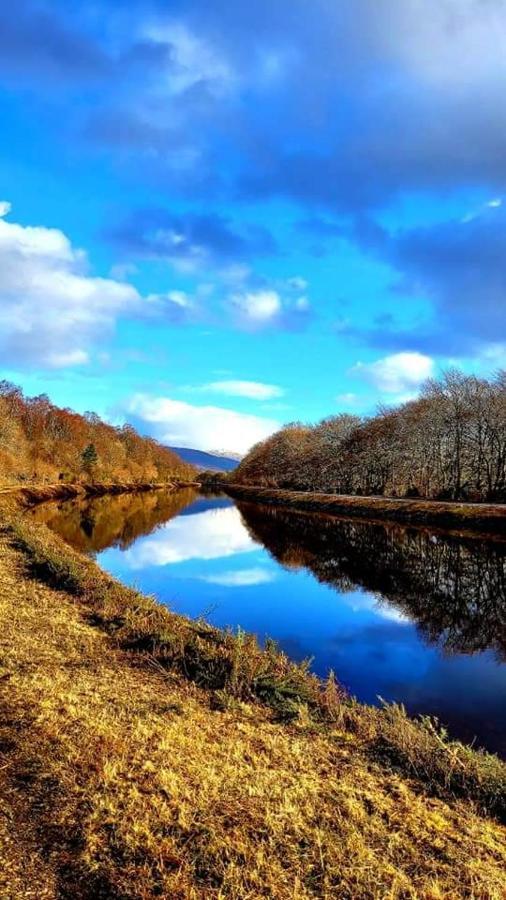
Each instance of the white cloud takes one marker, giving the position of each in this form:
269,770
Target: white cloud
180,298
267,308
235,274
257,307
254,390
494,203
67,358
241,578
202,427
397,373
450,43
50,309
213,534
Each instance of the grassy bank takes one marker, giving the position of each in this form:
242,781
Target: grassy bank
145,755
484,517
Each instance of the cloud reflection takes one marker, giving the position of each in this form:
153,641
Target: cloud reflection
213,534
241,578
365,601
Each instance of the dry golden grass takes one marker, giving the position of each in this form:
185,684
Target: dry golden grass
121,777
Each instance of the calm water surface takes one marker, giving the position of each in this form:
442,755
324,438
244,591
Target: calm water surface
402,614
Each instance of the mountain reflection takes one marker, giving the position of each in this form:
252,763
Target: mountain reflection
452,587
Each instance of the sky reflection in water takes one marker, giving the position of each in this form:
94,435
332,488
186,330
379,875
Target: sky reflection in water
308,591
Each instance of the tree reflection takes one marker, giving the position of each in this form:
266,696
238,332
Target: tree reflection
452,587
112,521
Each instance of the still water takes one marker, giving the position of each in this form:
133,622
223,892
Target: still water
409,615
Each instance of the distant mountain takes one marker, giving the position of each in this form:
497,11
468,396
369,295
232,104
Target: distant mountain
204,460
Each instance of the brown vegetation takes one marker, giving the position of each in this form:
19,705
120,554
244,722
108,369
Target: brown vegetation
450,444
145,755
41,443
91,524
211,481
486,518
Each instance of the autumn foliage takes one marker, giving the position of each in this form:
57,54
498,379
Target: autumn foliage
40,442
448,444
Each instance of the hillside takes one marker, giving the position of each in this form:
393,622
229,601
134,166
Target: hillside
40,442
448,444
208,461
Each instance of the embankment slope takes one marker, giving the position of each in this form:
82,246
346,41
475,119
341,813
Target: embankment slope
142,755
489,518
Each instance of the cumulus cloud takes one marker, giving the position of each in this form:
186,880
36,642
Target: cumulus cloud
257,306
51,309
396,373
211,428
266,308
254,390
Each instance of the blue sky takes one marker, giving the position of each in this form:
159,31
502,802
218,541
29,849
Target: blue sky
219,217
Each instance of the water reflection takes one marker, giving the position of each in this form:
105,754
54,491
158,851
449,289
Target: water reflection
92,525
215,533
453,587
406,614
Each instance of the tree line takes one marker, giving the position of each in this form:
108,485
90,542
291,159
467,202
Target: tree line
448,444
41,442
